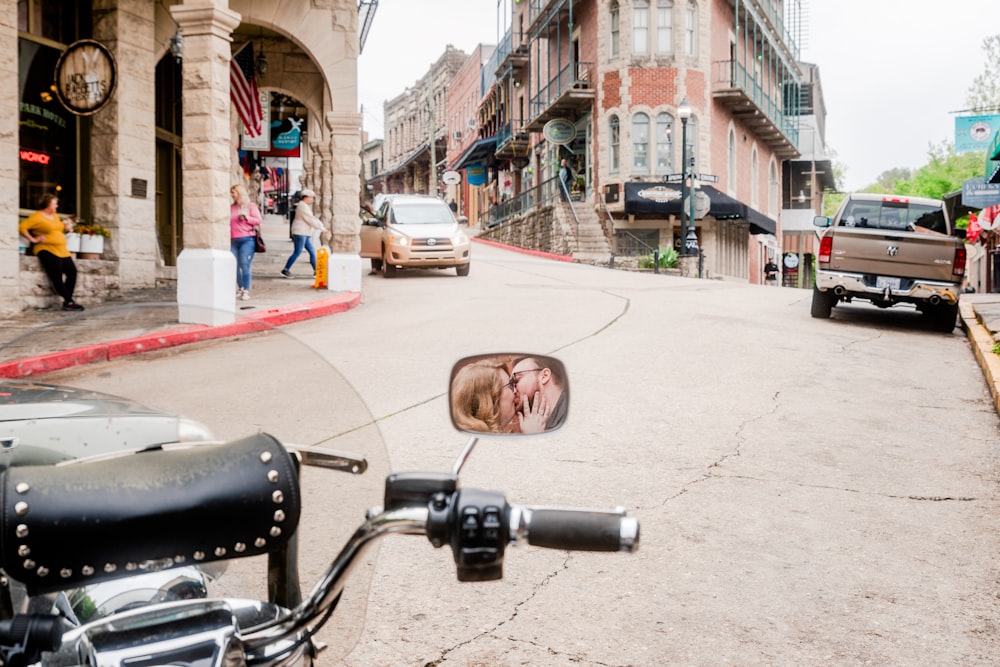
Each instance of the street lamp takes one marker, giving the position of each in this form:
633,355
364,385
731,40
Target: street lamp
690,246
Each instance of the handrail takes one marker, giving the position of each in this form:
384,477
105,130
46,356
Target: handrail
537,195
576,221
608,227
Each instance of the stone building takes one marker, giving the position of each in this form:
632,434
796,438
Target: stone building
625,91
154,154
409,118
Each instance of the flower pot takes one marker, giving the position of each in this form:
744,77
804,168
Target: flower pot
73,242
91,244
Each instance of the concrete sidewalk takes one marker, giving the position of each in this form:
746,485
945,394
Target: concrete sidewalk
38,341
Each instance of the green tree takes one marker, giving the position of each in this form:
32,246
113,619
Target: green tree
944,172
984,93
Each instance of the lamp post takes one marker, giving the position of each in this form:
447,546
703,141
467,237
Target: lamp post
690,246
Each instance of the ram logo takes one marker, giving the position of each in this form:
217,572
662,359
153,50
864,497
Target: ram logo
892,250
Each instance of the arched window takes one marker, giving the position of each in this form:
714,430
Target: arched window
754,178
664,26
640,26
731,185
614,143
615,38
691,29
640,143
664,144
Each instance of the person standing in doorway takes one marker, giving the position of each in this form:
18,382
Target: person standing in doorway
244,224
770,273
564,177
48,234
304,226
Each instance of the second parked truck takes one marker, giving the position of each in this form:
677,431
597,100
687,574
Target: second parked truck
888,250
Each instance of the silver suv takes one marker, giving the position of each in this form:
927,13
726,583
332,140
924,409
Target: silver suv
415,231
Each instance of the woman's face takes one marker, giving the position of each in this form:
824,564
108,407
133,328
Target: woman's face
507,408
234,194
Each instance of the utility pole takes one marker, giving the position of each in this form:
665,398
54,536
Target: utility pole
432,177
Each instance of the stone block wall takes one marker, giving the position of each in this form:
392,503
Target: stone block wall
96,281
540,229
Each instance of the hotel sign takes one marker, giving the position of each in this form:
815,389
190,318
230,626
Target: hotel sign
85,77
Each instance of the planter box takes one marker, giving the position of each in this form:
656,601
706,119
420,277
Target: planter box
92,245
73,242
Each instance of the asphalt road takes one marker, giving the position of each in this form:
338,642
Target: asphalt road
810,491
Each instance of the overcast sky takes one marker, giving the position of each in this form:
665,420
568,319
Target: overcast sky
893,72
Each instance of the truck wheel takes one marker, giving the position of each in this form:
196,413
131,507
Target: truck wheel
944,317
822,303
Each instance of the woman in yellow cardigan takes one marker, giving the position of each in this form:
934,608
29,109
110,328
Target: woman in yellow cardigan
48,233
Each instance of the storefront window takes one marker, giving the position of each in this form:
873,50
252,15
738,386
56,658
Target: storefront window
48,132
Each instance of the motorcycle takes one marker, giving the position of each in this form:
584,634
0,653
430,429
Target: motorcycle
143,555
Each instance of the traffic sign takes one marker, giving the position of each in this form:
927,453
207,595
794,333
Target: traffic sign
673,178
707,178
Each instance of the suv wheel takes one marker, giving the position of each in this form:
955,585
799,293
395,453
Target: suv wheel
388,268
462,269
822,303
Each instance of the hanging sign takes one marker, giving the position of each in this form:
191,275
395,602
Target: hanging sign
559,131
85,77
451,178
475,174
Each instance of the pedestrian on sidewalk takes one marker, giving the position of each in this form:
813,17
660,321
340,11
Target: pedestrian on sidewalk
47,232
771,273
244,224
303,227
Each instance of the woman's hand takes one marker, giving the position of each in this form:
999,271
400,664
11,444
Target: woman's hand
532,418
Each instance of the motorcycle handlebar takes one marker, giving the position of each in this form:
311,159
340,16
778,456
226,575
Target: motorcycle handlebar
575,529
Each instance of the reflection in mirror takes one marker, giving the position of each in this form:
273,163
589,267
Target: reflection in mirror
508,393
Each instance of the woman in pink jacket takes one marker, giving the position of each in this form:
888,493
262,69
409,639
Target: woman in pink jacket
244,220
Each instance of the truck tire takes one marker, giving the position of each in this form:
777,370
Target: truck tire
822,303
944,317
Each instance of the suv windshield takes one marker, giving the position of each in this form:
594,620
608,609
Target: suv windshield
430,213
894,215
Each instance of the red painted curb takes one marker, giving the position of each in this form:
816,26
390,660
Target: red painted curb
536,253
250,323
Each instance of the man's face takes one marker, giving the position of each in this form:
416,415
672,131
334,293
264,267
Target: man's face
525,377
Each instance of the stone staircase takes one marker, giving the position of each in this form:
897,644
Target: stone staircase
592,246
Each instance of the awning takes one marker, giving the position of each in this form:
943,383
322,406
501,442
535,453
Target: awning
476,153
418,152
663,199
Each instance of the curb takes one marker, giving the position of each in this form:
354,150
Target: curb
982,347
183,335
525,251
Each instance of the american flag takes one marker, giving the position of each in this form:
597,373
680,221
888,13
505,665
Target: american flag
243,90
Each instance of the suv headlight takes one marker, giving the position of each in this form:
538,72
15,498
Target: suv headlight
398,239
460,238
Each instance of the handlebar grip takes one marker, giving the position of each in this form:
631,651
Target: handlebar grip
579,530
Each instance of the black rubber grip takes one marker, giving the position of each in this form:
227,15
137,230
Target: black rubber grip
580,530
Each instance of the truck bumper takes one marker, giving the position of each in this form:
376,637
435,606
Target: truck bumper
862,286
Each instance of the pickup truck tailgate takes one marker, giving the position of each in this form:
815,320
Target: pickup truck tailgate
919,255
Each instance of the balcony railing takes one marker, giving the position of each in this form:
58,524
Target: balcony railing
539,195
572,77
732,77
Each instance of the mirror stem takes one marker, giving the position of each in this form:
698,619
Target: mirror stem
466,453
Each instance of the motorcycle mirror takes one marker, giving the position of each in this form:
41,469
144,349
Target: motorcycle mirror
508,394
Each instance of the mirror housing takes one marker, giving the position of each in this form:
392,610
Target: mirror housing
822,221
508,393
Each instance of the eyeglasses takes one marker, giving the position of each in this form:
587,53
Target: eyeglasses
514,379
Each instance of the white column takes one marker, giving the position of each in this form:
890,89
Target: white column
206,269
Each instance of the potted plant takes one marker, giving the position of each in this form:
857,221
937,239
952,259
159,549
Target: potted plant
92,238
576,191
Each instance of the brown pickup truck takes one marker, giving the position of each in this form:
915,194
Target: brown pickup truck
888,249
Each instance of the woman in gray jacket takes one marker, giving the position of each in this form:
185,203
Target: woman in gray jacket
303,227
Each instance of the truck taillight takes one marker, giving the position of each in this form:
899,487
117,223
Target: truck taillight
958,266
825,249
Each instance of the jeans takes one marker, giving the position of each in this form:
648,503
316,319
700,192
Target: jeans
243,248
301,240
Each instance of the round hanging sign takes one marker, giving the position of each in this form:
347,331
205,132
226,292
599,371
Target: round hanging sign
85,77
559,131
451,178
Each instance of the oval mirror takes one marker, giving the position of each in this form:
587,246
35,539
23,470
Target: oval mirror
508,394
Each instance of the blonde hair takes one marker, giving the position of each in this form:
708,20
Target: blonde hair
242,199
475,396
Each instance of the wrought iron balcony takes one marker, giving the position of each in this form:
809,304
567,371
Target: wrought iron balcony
512,141
569,91
735,87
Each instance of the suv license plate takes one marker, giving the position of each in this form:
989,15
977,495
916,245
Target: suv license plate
882,282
